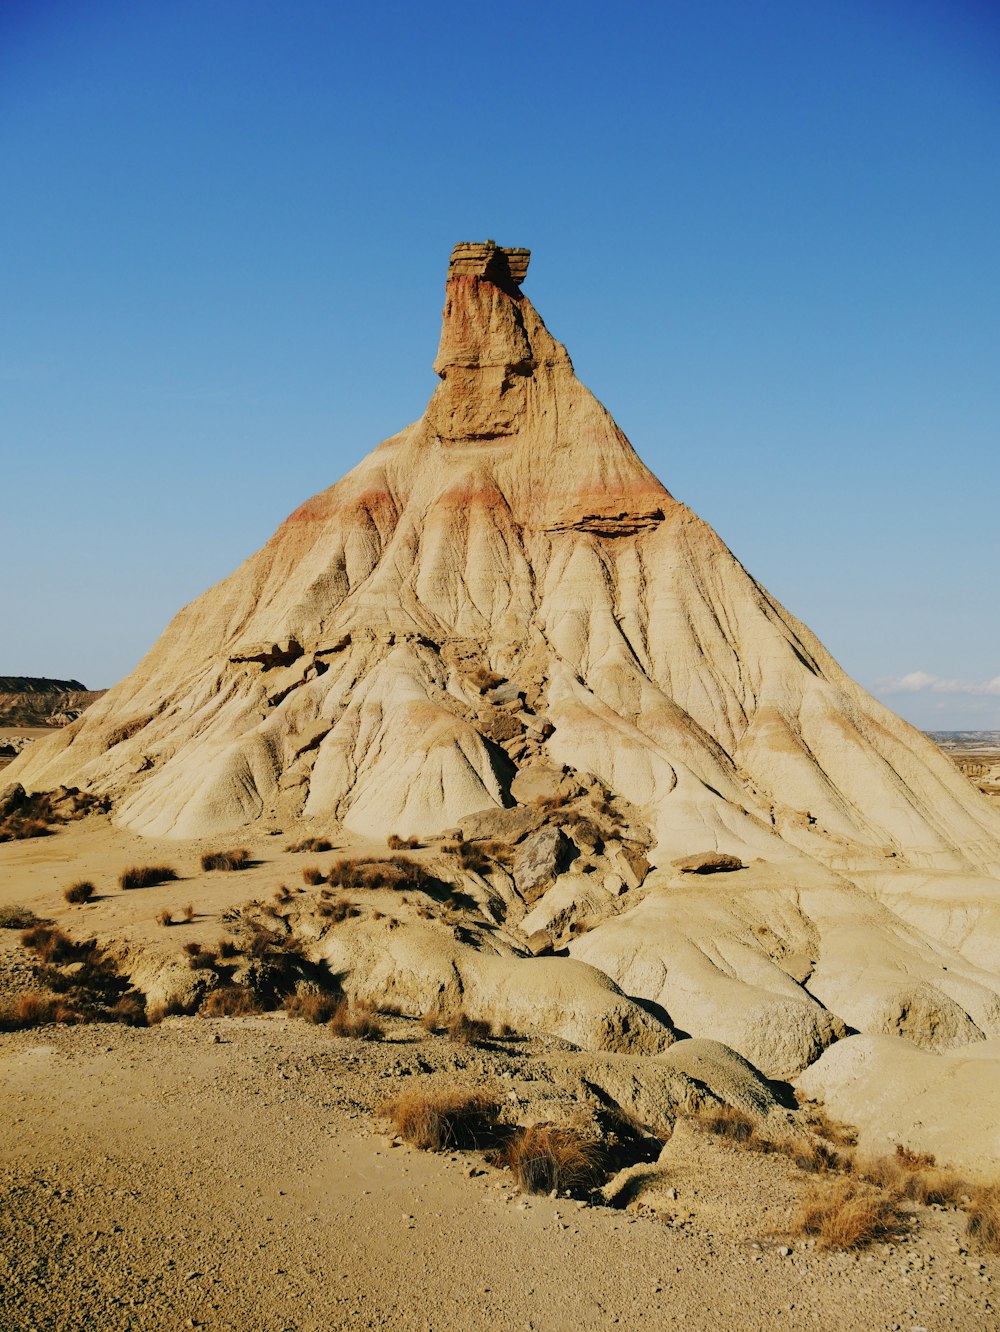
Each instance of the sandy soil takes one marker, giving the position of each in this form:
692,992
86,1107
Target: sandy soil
231,1174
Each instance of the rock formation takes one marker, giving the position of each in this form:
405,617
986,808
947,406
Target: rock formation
505,584
501,620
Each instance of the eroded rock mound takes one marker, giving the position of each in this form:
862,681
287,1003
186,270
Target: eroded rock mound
502,631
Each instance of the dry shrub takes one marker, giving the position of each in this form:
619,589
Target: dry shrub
172,1008
16,829
848,1214
396,843
474,858
396,872
984,1219
337,910
230,1001
921,1184
35,1008
913,1160
816,1156
228,948
226,860
313,875
187,915
545,1158
146,876
81,891
129,1010
314,844
468,1031
434,1121
359,1022
281,895
841,1135
52,945
18,918
728,1121
199,958
165,918
312,1006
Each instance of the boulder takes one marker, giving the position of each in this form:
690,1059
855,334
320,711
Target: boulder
708,862
541,858
501,825
12,797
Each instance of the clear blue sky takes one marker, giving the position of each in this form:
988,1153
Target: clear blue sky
767,232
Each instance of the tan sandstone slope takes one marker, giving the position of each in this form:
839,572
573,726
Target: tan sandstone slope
339,672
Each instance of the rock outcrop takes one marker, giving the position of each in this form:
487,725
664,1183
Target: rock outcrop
511,539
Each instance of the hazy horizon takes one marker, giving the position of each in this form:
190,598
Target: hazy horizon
767,237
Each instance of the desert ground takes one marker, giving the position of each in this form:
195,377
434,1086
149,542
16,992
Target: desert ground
236,1172
232,1173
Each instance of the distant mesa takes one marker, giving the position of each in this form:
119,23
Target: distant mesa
29,701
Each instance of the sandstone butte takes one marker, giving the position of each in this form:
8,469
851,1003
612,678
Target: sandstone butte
501,613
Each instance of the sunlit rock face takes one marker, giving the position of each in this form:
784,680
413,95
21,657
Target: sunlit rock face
512,535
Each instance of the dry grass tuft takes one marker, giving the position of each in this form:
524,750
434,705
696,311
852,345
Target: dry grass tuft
337,910
396,872
926,1185
165,918
226,860
816,1156
228,948
396,843
173,1008
468,1031
848,1214
36,1008
313,875
545,1158
314,844
313,1006
52,945
230,1001
18,918
359,1022
728,1121
840,1135
913,1160
81,891
146,876
187,915
984,1219
435,1121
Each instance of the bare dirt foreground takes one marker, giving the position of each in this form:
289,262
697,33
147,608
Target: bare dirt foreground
231,1173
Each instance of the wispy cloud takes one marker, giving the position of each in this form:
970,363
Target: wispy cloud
916,682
